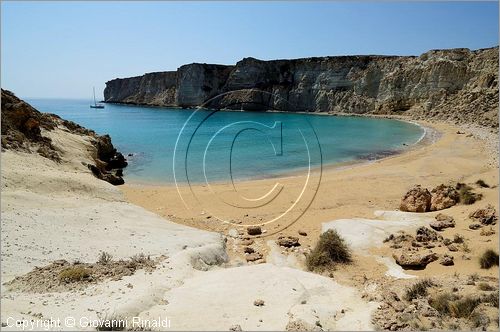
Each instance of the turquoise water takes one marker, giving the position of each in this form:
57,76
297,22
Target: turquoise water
242,145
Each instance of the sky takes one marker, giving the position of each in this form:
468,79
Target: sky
62,49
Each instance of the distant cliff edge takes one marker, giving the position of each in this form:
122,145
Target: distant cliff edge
457,85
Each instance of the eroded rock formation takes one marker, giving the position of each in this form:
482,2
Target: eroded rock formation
22,130
458,85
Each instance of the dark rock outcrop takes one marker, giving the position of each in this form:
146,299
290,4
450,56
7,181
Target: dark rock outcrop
22,130
458,85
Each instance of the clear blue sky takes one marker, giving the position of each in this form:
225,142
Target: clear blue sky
62,49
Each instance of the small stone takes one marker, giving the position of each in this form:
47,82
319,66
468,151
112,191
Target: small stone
452,247
486,215
254,230
475,226
247,242
288,241
248,250
258,303
253,257
447,260
236,327
302,232
442,221
232,233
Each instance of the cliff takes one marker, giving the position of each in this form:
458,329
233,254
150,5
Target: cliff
458,85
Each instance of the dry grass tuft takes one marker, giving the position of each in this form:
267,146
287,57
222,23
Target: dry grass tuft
330,250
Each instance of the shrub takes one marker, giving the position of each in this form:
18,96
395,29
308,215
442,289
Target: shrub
485,286
488,259
463,307
452,305
482,184
74,274
491,298
330,249
418,290
140,258
466,195
104,258
440,302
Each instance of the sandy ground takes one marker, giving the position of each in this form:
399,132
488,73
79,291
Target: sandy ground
60,211
350,193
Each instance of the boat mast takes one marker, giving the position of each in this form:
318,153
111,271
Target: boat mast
95,104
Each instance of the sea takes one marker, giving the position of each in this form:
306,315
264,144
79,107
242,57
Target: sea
171,145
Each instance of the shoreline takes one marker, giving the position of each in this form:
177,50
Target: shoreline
429,136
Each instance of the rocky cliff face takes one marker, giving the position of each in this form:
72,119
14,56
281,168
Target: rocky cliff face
457,85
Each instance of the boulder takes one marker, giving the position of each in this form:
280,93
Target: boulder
417,199
442,221
486,215
288,241
425,234
414,260
443,197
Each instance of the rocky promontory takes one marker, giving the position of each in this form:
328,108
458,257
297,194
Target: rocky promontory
25,129
457,85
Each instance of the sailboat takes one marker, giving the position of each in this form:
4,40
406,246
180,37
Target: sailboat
96,105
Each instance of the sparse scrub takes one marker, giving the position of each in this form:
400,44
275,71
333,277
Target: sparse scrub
418,290
466,195
464,307
488,259
441,301
104,258
140,258
485,287
331,249
482,184
491,298
451,305
74,274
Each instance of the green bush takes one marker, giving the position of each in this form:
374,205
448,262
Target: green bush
488,259
418,290
330,249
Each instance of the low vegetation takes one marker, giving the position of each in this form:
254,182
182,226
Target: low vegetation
331,249
484,286
418,290
104,258
482,184
488,259
466,195
74,274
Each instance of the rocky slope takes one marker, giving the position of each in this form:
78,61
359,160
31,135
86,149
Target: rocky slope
459,85
28,130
